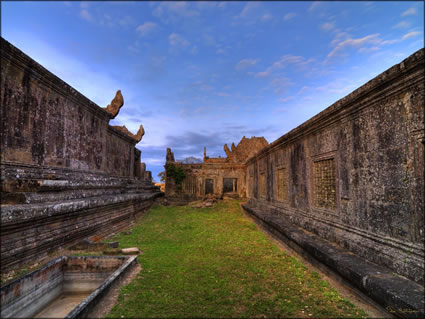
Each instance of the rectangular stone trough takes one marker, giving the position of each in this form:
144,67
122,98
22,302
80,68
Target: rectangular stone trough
66,287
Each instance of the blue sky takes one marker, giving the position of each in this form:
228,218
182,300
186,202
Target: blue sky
201,74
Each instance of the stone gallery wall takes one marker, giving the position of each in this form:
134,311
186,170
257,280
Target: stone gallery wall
354,173
66,174
46,122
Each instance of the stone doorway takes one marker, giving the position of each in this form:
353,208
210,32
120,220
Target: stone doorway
209,186
230,185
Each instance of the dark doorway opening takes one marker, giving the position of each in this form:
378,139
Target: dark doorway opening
209,186
230,185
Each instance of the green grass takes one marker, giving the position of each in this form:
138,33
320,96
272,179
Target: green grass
214,262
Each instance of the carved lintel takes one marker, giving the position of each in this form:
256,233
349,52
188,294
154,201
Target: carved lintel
116,103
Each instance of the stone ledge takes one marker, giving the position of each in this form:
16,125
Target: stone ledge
398,295
27,212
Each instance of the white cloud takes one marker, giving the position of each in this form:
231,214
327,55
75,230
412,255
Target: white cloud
248,9
223,94
262,74
369,39
242,64
177,40
285,99
314,5
410,35
280,84
289,16
327,26
368,50
265,17
146,28
401,25
284,61
219,51
179,8
409,12
366,44
85,14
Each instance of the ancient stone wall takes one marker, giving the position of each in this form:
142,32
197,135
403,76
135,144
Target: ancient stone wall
354,173
47,122
66,173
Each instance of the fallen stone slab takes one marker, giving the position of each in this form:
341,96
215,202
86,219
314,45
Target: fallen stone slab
130,251
397,295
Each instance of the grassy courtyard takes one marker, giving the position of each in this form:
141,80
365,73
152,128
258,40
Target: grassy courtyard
214,262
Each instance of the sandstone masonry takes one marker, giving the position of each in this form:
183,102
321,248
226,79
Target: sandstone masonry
66,173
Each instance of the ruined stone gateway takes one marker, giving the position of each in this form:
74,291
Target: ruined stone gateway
66,174
215,176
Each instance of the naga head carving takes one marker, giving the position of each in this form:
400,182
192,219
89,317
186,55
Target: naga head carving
116,103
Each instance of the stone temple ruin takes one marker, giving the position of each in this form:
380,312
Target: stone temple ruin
215,176
66,173
353,175
345,188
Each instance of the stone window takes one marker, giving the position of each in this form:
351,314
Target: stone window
230,185
324,179
262,185
282,184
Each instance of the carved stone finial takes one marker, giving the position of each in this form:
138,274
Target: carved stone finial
227,151
233,147
140,133
116,103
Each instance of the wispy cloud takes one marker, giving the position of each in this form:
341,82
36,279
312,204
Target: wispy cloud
248,9
85,14
177,40
409,12
245,63
280,84
176,8
369,39
401,25
285,99
146,28
84,11
314,5
367,44
266,17
223,94
284,61
289,16
327,26
410,35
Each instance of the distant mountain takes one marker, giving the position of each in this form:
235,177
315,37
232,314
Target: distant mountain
191,160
